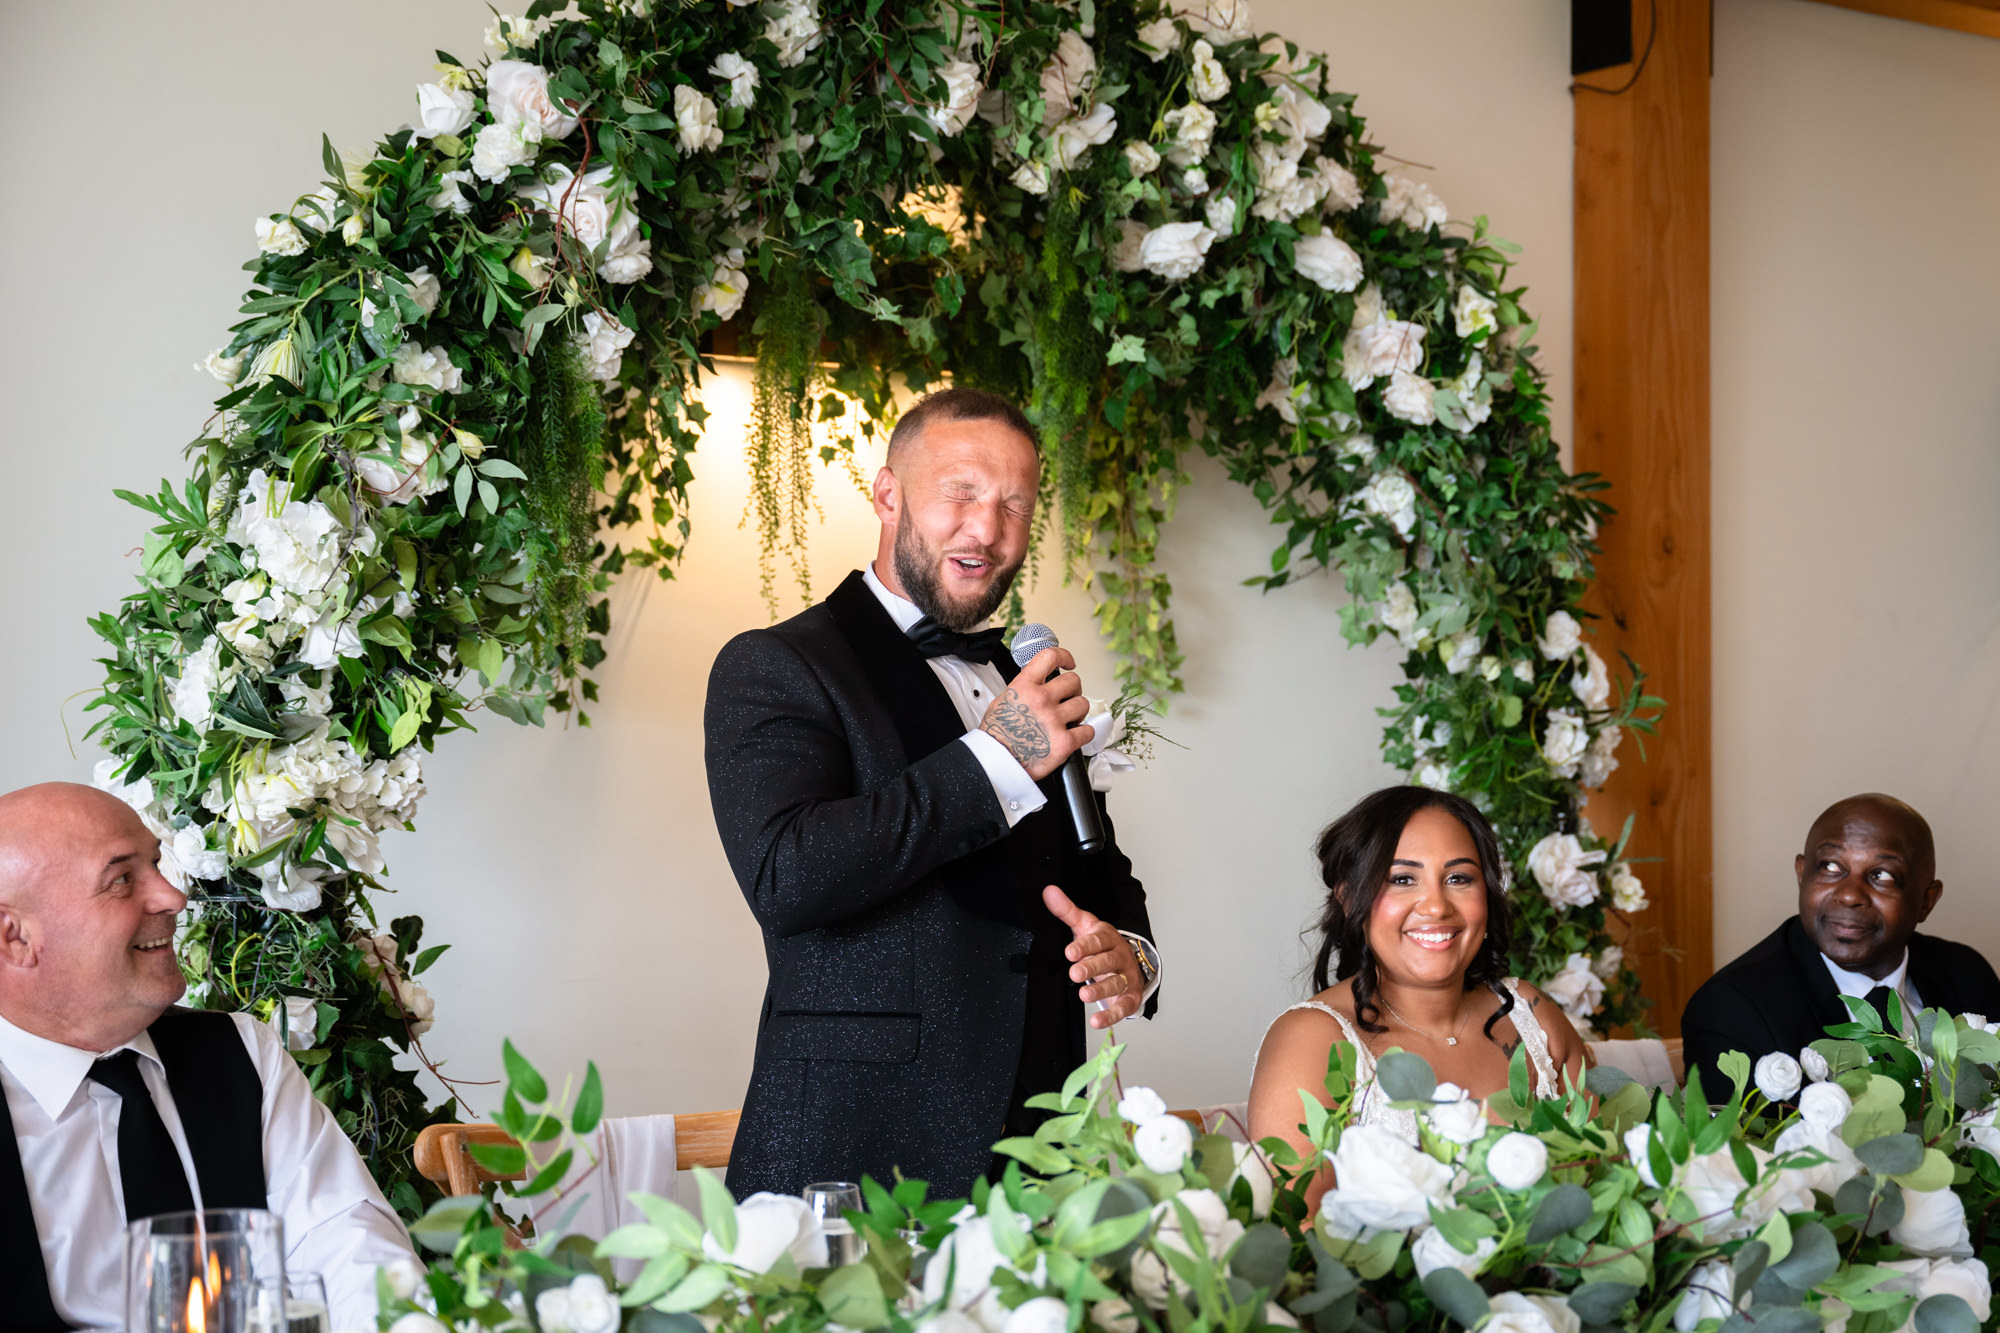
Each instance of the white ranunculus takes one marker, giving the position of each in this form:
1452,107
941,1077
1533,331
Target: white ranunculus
1413,204
442,110
1560,637
1152,1277
586,1305
1474,313
1628,895
1431,1251
280,236
1600,761
724,291
603,341
1715,1186
1562,868
1141,157
1398,612
1195,181
1328,261
1577,988
1068,74
1966,1279
1159,39
1114,1315
1391,496
741,76
1343,189
1411,398
500,147
517,93
1638,1146
1778,1076
1518,1161
1564,742
448,196
1593,682
1840,1166
1032,177
694,115
1221,20
1382,1183
969,1257
1074,137
1455,1115
1933,1224
1206,77
1514,1312
1193,129
1141,1106
1817,1071
1220,213
1379,349
769,1227
227,369
1163,1143
1176,251
962,90
1709,1294
794,27
1040,1314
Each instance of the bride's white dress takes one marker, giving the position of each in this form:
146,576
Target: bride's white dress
1375,1108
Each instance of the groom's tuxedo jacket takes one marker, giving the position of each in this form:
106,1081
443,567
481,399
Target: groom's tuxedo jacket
915,975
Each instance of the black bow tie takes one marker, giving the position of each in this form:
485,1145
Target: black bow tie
934,640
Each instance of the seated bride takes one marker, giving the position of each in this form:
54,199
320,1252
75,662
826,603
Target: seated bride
1416,932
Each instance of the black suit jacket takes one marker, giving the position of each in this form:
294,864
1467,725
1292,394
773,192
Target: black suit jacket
915,975
1780,997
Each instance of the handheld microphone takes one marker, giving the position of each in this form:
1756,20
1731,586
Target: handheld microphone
1032,639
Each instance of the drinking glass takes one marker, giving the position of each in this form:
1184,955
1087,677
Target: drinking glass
830,1200
189,1272
294,1304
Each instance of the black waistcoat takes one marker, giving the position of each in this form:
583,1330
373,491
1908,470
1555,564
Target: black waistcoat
221,1104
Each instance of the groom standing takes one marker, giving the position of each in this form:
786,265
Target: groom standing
887,790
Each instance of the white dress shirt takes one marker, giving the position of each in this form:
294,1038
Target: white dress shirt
337,1223
973,686
1860,983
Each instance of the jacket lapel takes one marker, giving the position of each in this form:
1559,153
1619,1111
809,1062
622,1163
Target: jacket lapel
899,675
1819,995
1935,985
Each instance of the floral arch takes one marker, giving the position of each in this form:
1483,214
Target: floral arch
461,400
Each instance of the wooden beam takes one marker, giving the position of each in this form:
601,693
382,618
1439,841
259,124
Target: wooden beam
1642,421
1980,17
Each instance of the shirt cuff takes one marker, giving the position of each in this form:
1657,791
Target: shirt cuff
1017,793
1146,948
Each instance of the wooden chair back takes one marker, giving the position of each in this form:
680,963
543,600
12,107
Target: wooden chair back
443,1156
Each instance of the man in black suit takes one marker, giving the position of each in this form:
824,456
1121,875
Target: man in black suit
887,790
1867,879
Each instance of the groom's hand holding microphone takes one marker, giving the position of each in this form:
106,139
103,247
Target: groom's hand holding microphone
1039,717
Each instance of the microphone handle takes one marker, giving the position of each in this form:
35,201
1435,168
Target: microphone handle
1082,805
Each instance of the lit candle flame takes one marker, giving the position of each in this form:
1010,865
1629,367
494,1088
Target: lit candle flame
197,1308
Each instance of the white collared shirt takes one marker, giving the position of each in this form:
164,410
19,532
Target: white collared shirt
973,686
337,1223
1860,983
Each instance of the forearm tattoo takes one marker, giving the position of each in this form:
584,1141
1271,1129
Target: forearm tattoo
1015,727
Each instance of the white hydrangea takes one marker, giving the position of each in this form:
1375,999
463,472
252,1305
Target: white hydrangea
1410,397
1412,203
794,27
298,543
500,147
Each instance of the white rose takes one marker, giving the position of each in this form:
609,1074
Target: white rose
1564,742
794,28
1042,1314
1715,1187
1074,137
1250,1166
1176,250
301,1022
424,288
1163,1143
1141,157
969,1257
227,369
442,110
1710,1294
1600,761
1032,177
1778,1076
448,196
1933,1224
1455,1115
1473,313
1410,397
417,1322
1638,1146
1206,77
1377,350
961,97
1840,1166
1343,189
1593,683
1193,128
1391,496
1141,1106
584,1306
1114,1315
603,341
1382,1183
1609,962
1223,20
582,207
186,857
500,147
416,1000
1069,71
1923,1278
1413,204
769,1227
1159,39
741,76
1398,612
1431,1251
1816,1070
289,887
1220,213
1152,1277
1577,988
1516,1313
1518,1161
1628,895
517,93
1980,1130
1328,261
700,131
279,236
1560,637
404,1276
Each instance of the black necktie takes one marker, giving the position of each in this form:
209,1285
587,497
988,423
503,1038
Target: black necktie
1879,999
149,1167
934,640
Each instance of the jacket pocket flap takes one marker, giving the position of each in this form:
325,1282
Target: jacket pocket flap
883,1038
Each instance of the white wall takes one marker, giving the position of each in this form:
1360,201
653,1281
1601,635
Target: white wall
1857,445
577,872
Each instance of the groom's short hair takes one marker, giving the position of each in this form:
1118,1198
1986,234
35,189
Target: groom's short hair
958,404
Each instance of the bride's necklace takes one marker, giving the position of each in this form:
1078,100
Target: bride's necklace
1449,1041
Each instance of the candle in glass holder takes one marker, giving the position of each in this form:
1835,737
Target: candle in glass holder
201,1272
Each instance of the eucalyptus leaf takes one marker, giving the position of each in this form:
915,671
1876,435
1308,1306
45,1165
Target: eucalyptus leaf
1457,1295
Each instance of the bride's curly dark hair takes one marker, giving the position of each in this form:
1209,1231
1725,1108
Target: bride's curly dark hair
1355,853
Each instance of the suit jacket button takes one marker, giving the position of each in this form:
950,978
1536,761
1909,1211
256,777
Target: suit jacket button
1018,964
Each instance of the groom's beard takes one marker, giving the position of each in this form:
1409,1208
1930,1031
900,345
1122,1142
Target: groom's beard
917,569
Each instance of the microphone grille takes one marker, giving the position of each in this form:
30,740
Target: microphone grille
1029,640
